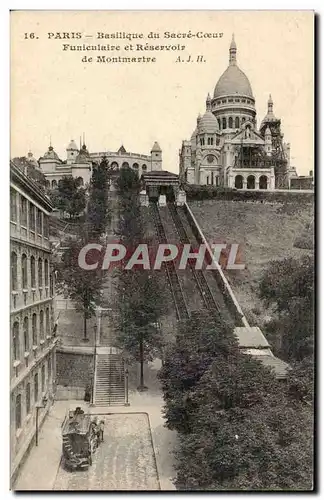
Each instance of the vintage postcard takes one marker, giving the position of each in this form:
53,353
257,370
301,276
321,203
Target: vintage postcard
162,251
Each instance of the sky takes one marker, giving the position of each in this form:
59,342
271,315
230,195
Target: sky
56,96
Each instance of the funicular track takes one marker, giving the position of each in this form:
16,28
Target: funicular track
175,286
202,284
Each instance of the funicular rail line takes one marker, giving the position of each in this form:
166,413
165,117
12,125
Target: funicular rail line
176,289
202,284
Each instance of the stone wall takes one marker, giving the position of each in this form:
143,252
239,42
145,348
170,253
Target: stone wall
74,370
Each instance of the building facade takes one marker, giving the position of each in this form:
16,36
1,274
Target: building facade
32,362
227,148
78,162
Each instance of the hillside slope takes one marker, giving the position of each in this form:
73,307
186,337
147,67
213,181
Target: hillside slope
264,232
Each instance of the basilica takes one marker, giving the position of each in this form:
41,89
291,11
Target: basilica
227,148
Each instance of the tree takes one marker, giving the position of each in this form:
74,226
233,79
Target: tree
83,286
69,196
288,286
98,215
139,290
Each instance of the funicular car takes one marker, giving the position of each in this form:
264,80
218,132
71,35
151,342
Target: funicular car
80,439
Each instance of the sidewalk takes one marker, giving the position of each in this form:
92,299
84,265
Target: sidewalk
42,464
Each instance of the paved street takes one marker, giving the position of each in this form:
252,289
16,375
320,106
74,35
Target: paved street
124,461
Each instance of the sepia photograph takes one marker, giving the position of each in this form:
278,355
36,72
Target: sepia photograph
162,239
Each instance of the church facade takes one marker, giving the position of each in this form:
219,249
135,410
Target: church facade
227,148
78,163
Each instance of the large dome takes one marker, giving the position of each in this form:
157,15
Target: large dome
233,81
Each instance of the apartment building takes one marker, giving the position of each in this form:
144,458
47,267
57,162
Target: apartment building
33,341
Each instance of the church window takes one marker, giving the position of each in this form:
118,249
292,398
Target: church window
224,123
210,141
237,122
135,166
230,100
251,182
237,100
202,141
230,122
223,101
125,165
243,100
243,119
219,123
144,168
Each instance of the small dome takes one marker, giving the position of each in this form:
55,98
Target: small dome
50,154
233,82
208,123
83,156
72,145
156,147
269,117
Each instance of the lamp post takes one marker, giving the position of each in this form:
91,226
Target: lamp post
38,406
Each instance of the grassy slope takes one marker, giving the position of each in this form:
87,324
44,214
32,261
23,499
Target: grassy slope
265,232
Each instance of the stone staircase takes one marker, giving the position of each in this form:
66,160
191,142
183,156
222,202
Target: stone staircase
109,380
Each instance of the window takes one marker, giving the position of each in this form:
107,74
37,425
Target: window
46,226
33,271
224,123
24,271
26,334
14,283
51,285
40,272
39,221
54,184
243,119
230,122
125,165
18,411
237,100
47,319
15,341
219,123
144,168
13,205
135,166
237,122
210,141
36,387
79,181
34,328
23,211
43,378
41,325
202,141
230,100
28,398
46,272
31,217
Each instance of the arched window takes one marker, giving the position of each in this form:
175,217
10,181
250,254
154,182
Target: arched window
46,272
114,165
202,141
210,141
239,182
40,272
230,122
34,329
219,123
243,119
47,319
43,378
14,282
135,166
33,271
237,122
18,411
251,182
39,221
31,217
26,333
80,181
15,341
125,164
144,168
54,184
28,398
24,273
223,123
41,325
36,387
263,182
